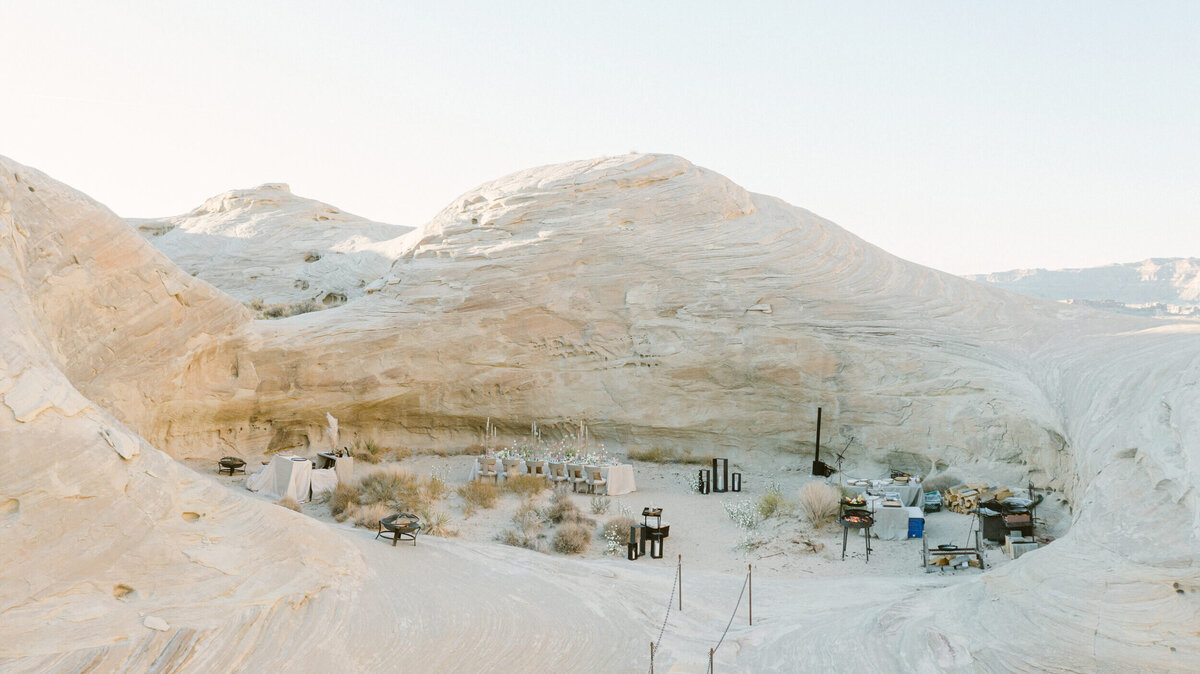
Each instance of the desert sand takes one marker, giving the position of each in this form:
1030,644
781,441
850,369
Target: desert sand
656,301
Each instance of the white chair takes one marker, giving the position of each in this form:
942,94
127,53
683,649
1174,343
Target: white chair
595,478
558,473
512,467
575,476
487,468
536,469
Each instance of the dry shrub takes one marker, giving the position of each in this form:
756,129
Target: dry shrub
478,494
400,490
526,529
572,538
284,309
525,485
600,504
618,528
666,455
562,509
368,451
820,502
289,503
472,450
942,481
342,499
436,523
772,502
368,516
401,453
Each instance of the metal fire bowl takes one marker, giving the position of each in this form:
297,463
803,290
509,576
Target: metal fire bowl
862,519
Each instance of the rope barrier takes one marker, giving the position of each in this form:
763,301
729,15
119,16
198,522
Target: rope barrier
731,617
670,602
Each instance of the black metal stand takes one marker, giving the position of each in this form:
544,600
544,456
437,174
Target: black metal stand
735,483
846,537
705,480
724,476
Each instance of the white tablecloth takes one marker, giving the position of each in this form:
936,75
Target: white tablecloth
343,465
323,480
619,478
284,476
910,494
891,524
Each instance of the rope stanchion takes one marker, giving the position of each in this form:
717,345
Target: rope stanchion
730,623
670,602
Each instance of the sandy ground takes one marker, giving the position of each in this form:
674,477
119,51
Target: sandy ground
714,551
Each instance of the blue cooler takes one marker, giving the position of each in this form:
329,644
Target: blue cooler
916,528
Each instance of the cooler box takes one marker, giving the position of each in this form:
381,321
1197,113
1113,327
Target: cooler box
916,522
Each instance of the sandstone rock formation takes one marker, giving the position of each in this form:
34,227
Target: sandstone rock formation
1151,287
269,245
648,296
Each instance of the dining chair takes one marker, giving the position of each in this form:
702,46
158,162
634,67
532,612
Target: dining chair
487,468
575,475
595,478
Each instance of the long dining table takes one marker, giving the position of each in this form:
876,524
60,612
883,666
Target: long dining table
619,477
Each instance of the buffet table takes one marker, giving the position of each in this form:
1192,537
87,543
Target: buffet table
284,476
911,494
891,524
619,478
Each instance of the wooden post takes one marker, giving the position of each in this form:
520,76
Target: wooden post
750,582
710,662
651,657
680,582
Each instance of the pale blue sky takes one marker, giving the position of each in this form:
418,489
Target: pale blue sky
967,136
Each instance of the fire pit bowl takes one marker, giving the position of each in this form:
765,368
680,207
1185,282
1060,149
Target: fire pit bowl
856,519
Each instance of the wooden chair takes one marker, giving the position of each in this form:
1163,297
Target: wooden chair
558,473
398,527
595,478
487,468
575,476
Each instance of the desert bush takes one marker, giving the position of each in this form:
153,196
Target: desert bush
469,450
400,490
436,523
771,502
572,538
284,309
600,504
525,485
562,509
478,494
820,502
617,528
942,481
368,451
368,516
343,497
289,503
666,455
743,513
526,528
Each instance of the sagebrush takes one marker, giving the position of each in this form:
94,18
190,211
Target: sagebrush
820,502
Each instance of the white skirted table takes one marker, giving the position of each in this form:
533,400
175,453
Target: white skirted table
284,476
619,478
910,494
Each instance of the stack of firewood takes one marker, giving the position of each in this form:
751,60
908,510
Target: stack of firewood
966,498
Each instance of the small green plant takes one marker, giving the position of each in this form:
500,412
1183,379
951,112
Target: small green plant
600,504
772,502
436,523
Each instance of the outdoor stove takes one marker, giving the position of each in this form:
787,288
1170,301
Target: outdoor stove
856,519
